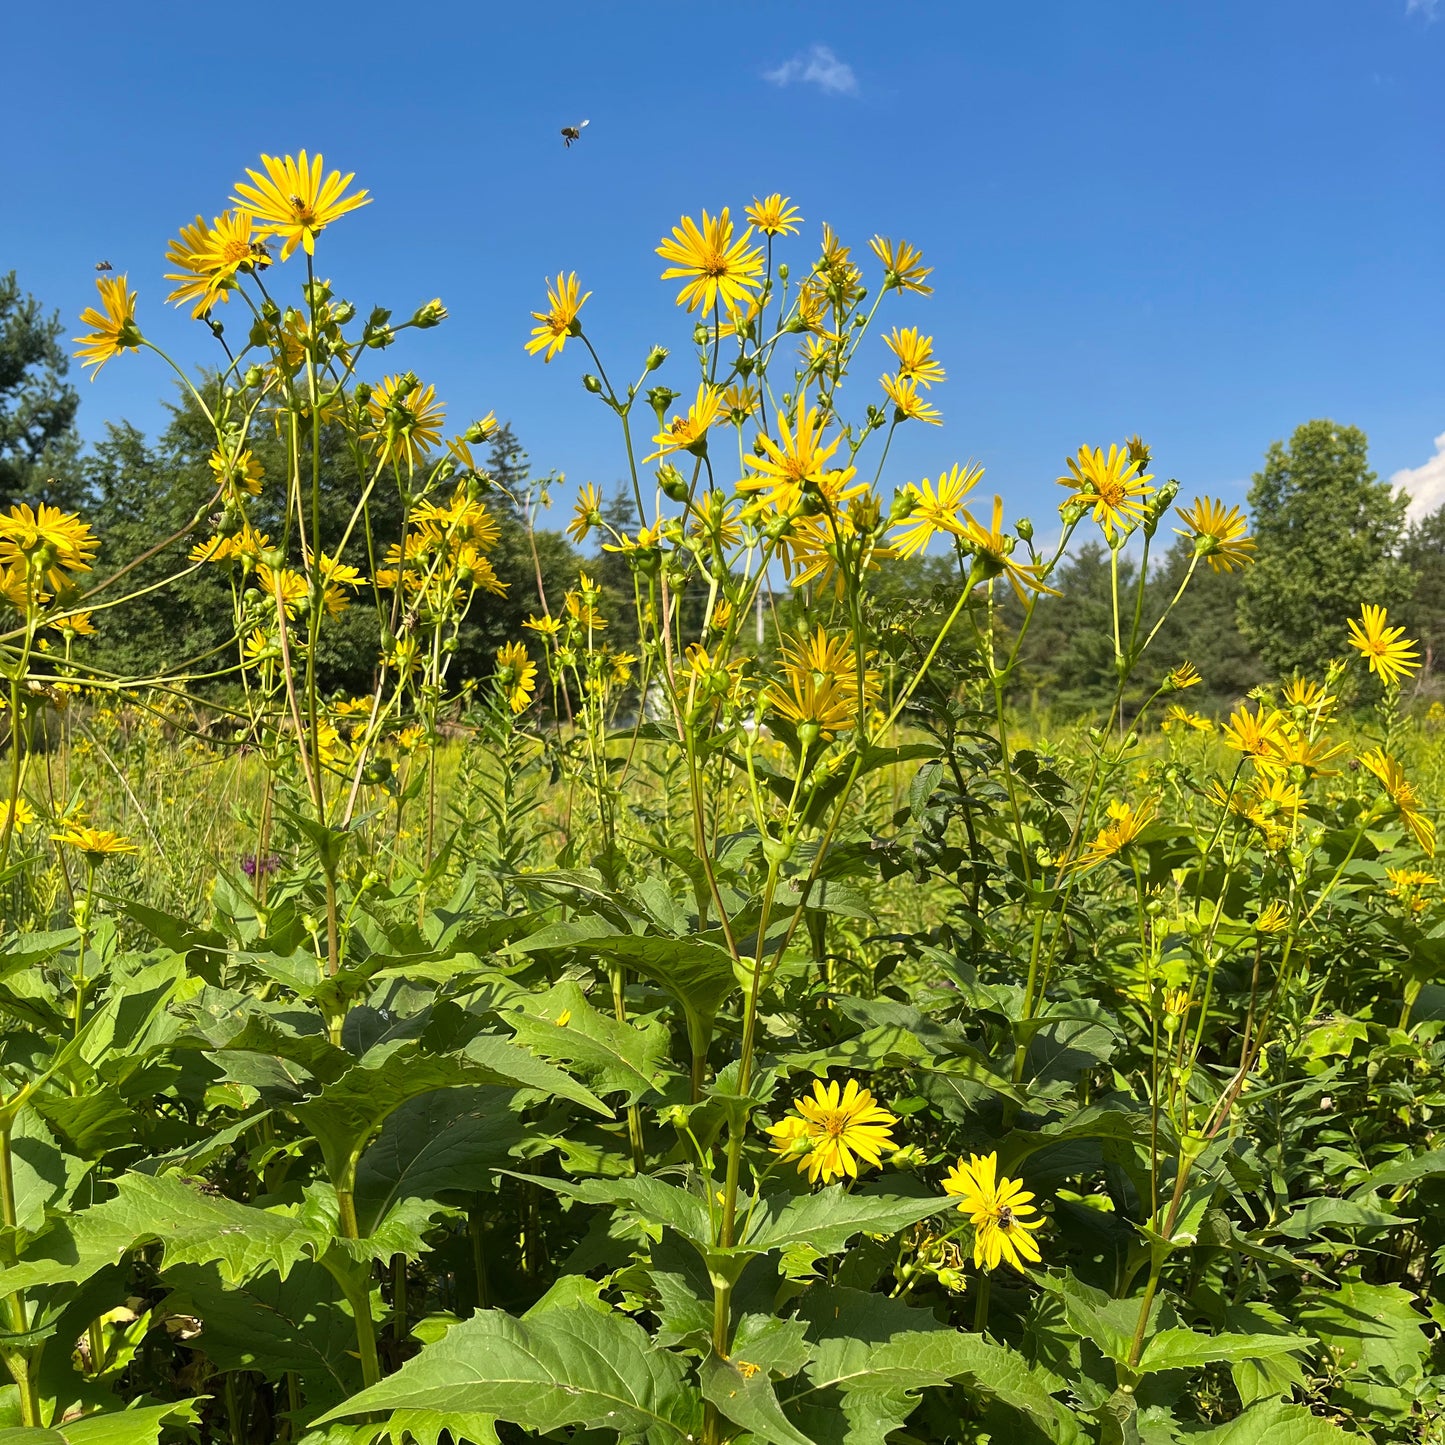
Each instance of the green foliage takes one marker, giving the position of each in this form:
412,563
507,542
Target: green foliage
1329,536
37,405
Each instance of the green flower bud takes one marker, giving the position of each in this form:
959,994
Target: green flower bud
592,383
674,485
655,358
432,314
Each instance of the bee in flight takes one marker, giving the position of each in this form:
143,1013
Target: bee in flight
104,266
573,132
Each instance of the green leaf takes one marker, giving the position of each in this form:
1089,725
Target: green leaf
566,1367
828,1219
1272,1422
448,1141
746,1397
191,1228
1093,1315
561,1026
346,1113
45,1176
653,1200
273,1325
1329,1213
1376,1345
1181,1349
140,1426
870,1357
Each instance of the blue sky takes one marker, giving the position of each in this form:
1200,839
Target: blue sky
1205,222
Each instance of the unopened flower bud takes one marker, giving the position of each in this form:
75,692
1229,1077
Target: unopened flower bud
254,376
1025,529
660,398
673,483
655,358
362,393
343,312
432,314
592,383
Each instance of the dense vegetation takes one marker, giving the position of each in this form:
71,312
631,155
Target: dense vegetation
456,989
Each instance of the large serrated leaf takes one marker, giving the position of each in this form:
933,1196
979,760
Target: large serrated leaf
273,1325
1272,1422
611,1057
827,1220
1180,1349
191,1227
565,1367
440,1143
139,1426
346,1113
868,1350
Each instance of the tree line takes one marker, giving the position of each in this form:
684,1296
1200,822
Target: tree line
1330,536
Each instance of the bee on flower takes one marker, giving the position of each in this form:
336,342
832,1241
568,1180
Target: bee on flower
1000,1211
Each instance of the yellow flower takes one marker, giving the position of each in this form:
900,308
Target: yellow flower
62,542
208,258
114,330
907,404
335,577
559,321
287,588
1184,676
1303,696
785,467
840,1128
716,266
820,692
16,819
1176,716
586,513
903,268
1176,1002
75,624
1258,735
582,603
936,509
95,844
1391,656
547,626
241,470
1112,486
739,403
775,215
998,1209
293,201
516,675
993,547
689,433
1297,750
1402,794
1219,534
406,419
1122,829
915,356
1406,884
716,517
1274,918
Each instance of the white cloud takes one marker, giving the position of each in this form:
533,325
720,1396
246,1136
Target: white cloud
1424,484
819,66
1421,7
